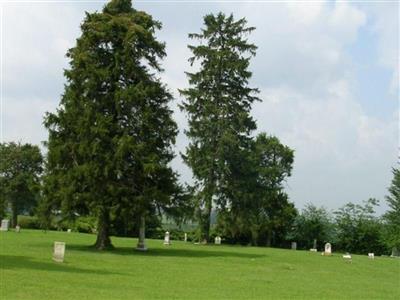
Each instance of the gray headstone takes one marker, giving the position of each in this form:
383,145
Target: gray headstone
315,244
18,228
328,249
395,252
5,224
217,240
294,245
167,240
59,251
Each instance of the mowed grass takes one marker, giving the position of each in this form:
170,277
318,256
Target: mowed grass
184,271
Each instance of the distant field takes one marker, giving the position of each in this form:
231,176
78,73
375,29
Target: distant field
183,271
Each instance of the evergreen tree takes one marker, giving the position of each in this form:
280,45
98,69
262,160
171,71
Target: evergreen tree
260,212
218,103
392,217
110,139
20,171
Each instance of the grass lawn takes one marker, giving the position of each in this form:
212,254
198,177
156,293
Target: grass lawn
184,271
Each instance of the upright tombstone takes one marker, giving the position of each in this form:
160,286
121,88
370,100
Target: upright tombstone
167,240
371,255
395,252
59,251
217,240
18,228
185,237
294,246
69,230
5,224
328,249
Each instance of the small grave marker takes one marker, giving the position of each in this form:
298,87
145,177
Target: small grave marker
18,228
217,240
371,255
294,245
5,224
185,237
328,249
347,257
167,240
59,251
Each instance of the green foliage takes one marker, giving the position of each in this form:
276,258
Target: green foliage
31,222
357,228
392,216
312,223
260,212
20,170
218,104
110,141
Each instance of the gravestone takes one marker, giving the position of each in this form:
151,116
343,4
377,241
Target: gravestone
328,249
185,237
395,252
59,251
371,255
5,224
18,228
167,240
294,245
315,244
217,240
69,230
347,257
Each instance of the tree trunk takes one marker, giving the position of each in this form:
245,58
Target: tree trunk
269,238
254,237
141,246
206,220
14,216
103,241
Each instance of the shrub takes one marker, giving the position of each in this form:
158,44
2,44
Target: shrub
31,222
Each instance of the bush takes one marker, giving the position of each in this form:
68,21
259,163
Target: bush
31,222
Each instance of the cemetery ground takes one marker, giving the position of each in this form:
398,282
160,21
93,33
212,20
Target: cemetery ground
184,270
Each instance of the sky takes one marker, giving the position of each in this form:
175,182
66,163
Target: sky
328,72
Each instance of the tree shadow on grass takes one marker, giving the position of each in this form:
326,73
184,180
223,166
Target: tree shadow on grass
25,262
167,252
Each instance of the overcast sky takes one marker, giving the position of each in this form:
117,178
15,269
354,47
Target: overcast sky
327,71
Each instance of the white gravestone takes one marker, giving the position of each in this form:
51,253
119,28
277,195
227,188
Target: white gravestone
347,257
4,225
328,249
185,238
69,230
167,240
59,251
18,228
217,240
371,255
294,245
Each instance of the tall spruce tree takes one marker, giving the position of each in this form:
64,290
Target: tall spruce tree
218,104
110,139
